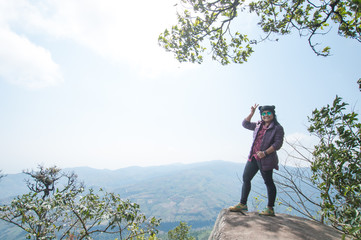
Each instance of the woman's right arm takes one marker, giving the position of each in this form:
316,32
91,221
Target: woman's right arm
253,109
247,121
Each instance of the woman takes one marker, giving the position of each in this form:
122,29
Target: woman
267,139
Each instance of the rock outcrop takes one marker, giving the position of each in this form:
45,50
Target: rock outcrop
251,226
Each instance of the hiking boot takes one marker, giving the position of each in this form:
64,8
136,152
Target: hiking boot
238,208
268,212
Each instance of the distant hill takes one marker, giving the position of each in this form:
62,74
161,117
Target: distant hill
194,193
13,184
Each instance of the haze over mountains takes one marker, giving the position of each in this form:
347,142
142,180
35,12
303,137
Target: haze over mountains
174,192
194,193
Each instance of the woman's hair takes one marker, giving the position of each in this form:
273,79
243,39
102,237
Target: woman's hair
270,108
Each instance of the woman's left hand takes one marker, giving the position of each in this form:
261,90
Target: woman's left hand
261,154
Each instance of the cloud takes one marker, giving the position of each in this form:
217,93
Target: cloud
123,31
24,63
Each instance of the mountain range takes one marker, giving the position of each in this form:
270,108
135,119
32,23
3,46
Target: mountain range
192,193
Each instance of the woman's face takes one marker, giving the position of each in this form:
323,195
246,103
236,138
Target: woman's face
267,116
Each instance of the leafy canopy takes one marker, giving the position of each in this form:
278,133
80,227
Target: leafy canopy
68,212
211,20
181,232
337,165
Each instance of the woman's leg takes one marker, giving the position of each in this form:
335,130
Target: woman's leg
271,187
249,172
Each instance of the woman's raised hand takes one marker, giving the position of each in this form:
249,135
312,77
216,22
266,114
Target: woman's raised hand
254,108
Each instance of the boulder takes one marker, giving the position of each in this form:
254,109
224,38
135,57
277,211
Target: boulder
252,226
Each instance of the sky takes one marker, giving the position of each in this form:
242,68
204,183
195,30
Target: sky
85,83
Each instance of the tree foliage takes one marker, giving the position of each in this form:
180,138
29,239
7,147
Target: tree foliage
44,180
52,212
336,165
211,20
181,232
108,213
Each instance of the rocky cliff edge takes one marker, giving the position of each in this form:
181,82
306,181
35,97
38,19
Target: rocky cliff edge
251,226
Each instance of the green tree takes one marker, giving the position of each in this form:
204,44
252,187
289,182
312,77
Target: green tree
39,211
336,165
211,20
105,212
43,181
181,232
39,217
52,212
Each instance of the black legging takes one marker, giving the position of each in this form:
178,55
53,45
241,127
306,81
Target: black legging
250,171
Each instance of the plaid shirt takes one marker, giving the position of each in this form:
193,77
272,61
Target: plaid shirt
271,136
257,143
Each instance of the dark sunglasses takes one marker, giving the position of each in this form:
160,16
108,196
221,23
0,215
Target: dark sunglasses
266,113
